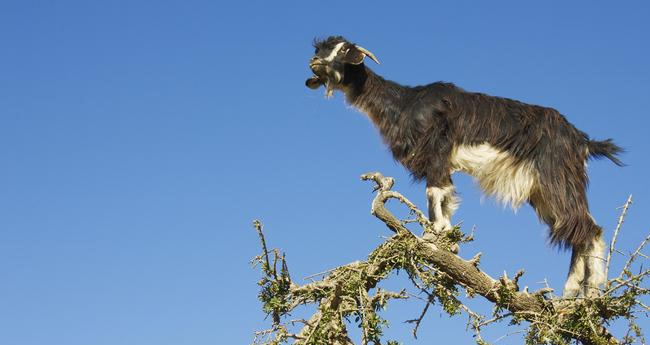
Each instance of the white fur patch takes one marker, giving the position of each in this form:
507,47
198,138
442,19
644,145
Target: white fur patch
596,265
439,193
573,284
497,172
587,271
435,197
334,52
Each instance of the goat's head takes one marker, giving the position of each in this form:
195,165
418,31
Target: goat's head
329,60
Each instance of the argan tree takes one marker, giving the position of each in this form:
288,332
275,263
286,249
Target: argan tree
352,293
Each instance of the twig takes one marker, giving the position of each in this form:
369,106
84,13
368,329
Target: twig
627,281
419,319
612,244
494,319
643,305
313,329
509,334
319,274
258,227
633,256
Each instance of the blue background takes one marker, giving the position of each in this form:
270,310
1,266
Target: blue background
139,139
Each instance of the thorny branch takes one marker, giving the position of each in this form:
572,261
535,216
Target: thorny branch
619,225
349,293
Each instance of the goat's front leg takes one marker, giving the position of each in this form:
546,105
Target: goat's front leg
437,198
441,203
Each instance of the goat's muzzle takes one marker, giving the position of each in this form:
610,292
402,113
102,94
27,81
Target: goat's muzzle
313,82
316,66
324,75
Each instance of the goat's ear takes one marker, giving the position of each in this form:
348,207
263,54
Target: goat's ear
353,56
356,54
313,83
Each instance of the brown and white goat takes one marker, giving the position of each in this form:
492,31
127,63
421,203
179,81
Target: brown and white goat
517,152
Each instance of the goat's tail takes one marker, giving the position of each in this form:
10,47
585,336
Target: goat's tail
605,148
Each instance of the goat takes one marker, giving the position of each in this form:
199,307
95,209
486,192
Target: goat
517,152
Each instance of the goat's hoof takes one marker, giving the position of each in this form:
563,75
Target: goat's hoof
572,288
441,228
429,237
592,292
570,293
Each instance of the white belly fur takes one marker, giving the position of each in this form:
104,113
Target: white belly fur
496,172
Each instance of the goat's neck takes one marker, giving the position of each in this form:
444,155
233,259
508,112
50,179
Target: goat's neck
382,100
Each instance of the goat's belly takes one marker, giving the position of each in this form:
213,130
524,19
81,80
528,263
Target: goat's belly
497,172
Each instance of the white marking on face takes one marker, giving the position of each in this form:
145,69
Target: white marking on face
497,172
334,52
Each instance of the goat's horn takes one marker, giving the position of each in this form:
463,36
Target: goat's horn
367,53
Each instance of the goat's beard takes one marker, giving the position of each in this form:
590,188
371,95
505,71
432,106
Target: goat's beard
331,81
329,88
328,80
325,81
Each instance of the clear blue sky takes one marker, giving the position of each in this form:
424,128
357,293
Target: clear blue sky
139,139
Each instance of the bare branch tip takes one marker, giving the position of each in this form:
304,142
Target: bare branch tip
383,183
476,259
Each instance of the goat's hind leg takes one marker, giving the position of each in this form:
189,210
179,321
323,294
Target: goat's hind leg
587,271
573,285
595,266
